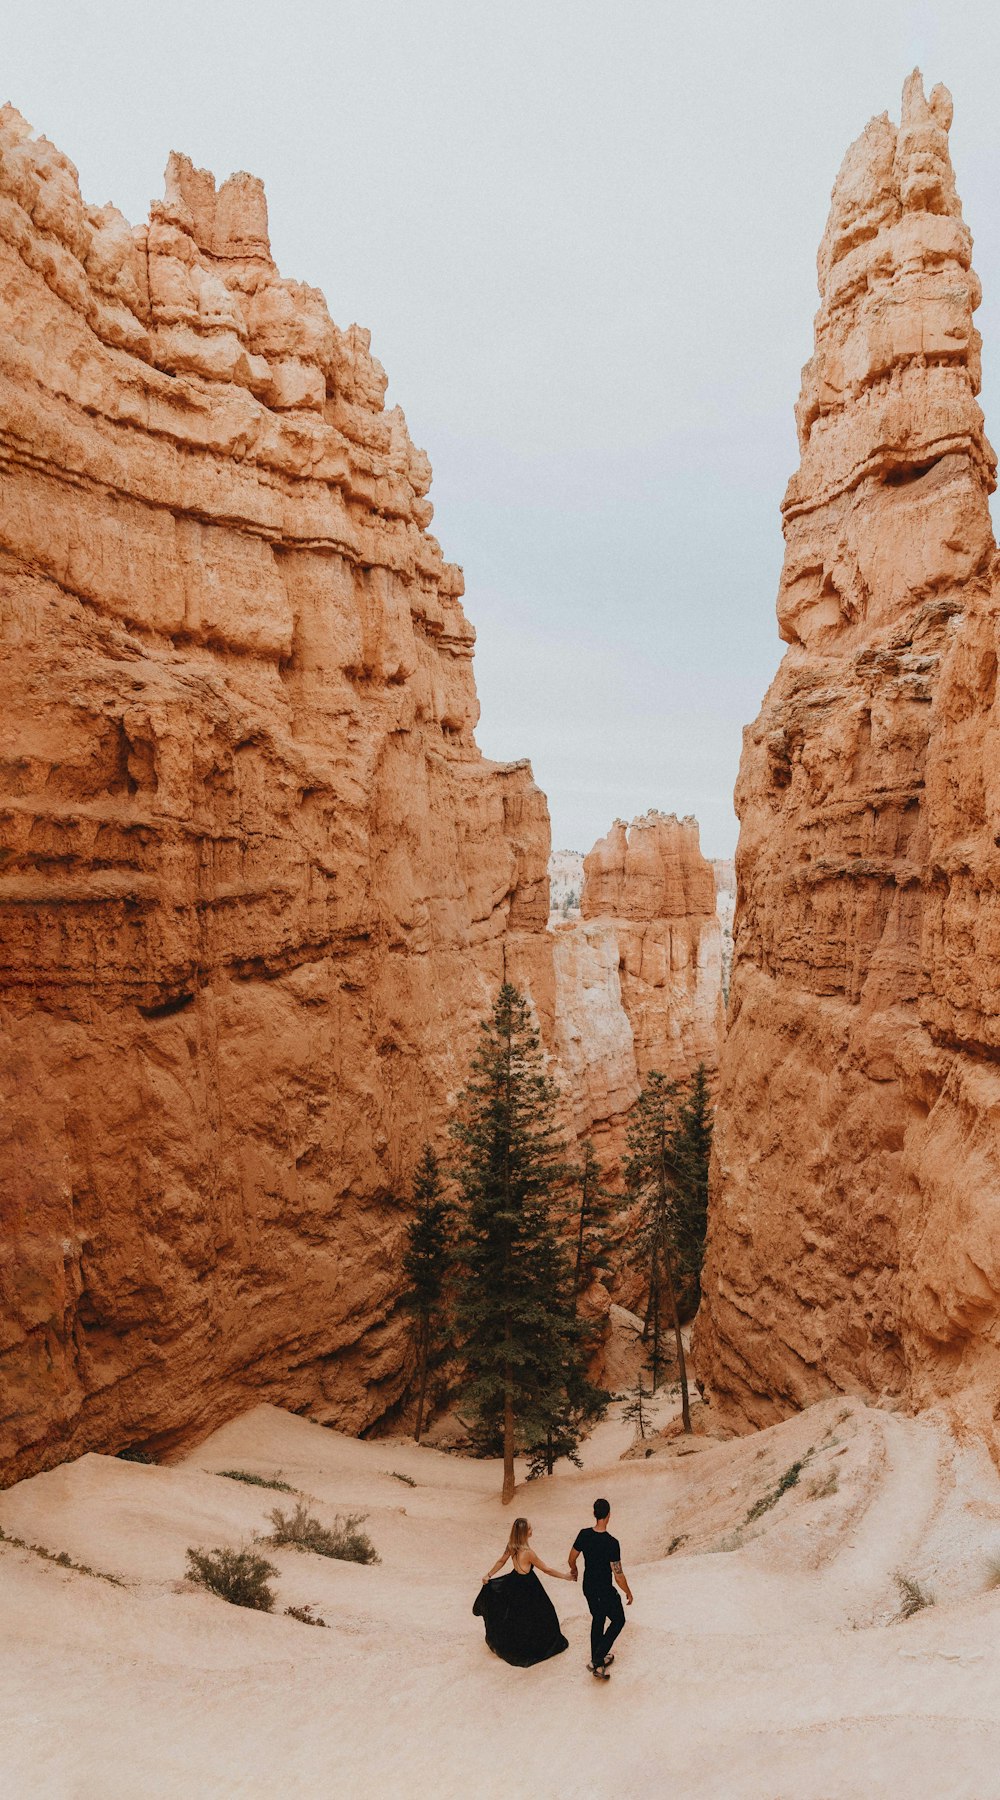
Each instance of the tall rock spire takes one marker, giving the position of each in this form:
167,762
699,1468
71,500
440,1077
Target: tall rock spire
853,1237
890,498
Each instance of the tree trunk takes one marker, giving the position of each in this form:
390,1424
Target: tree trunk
579,1242
423,1380
653,1316
652,1298
508,1443
579,1252
679,1342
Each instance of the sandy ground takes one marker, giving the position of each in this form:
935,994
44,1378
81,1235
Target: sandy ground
762,1660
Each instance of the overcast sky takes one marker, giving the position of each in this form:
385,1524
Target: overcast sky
583,236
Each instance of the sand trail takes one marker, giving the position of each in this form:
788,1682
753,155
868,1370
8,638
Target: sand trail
759,1658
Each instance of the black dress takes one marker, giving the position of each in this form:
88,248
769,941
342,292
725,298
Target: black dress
521,1622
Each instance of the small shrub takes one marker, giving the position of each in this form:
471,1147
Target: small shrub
408,1479
303,1531
61,1558
239,1576
821,1490
676,1542
732,1541
305,1616
992,1573
132,1453
280,1487
766,1501
913,1597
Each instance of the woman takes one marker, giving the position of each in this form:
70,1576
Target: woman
520,1619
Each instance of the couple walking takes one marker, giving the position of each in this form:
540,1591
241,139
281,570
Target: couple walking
520,1619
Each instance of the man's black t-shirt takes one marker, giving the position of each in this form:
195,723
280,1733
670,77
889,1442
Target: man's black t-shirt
599,1550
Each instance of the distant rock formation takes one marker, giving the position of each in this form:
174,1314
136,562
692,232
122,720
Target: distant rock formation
258,884
565,885
724,871
854,1238
639,978
651,879
595,1045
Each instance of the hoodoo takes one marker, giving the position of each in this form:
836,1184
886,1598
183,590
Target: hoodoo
855,1223
639,975
652,882
257,882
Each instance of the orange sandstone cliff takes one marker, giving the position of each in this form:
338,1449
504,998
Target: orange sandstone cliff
855,1223
639,976
256,882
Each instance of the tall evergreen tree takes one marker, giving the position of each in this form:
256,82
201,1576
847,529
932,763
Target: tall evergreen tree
691,1150
572,1401
636,1410
518,1332
593,1210
650,1175
427,1262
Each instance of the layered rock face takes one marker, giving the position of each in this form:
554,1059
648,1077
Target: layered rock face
652,882
565,885
855,1226
639,978
257,882
724,870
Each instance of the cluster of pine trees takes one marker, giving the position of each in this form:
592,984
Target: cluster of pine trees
666,1171
496,1261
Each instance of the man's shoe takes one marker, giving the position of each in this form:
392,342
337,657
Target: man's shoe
599,1670
608,1660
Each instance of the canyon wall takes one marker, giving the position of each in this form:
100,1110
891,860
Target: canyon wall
855,1222
257,884
639,977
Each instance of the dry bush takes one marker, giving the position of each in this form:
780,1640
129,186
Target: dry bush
732,1541
992,1573
408,1479
914,1597
61,1558
239,1576
822,1489
264,1481
303,1531
788,1480
305,1616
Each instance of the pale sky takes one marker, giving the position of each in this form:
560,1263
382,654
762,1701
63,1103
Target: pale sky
583,237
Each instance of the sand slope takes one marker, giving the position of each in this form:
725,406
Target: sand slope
769,1668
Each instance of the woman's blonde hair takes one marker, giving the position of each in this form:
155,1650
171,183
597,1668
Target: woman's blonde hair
518,1536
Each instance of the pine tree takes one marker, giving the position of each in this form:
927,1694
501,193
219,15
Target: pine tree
427,1262
594,1207
633,1411
573,1401
691,1149
520,1341
651,1180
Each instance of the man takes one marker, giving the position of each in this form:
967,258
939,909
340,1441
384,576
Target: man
601,1567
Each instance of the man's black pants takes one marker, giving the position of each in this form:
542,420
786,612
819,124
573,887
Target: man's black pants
604,1606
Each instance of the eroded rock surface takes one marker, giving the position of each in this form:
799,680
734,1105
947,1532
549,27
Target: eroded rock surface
651,880
639,977
855,1228
257,881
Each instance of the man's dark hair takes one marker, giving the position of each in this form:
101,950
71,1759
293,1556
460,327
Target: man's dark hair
601,1509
